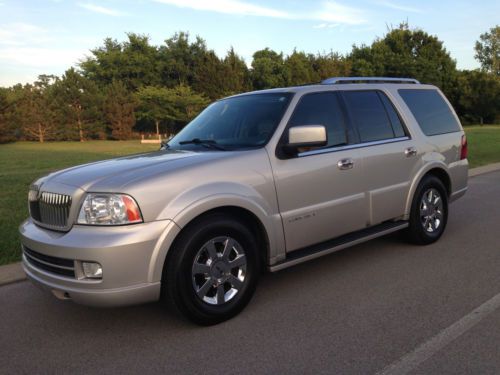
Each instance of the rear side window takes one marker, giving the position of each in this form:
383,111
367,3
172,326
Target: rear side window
369,114
432,113
322,109
397,125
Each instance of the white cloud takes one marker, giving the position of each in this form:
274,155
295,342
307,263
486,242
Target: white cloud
325,26
100,9
403,8
39,57
336,12
229,7
19,34
330,11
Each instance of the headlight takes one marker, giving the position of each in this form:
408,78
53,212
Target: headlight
109,209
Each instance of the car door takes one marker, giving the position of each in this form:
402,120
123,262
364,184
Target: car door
320,191
390,155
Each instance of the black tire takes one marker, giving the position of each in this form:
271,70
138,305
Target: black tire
417,232
178,281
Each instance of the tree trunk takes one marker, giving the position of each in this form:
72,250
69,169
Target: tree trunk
80,129
157,123
40,133
481,120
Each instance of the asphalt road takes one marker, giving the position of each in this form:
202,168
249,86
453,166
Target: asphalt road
356,311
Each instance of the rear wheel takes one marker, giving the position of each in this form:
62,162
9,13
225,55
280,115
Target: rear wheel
429,212
212,270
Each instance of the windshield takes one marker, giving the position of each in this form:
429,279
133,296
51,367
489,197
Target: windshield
235,123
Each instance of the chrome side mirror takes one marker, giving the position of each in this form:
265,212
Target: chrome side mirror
307,136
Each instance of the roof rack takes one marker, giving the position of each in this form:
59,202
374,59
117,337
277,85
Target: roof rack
340,80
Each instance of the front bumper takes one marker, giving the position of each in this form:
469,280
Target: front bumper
127,255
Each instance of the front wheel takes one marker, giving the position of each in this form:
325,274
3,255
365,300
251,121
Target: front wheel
429,212
212,270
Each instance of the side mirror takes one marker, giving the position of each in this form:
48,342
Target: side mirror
306,136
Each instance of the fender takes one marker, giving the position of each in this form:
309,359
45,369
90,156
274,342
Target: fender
416,180
188,205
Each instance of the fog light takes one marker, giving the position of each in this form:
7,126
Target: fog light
92,270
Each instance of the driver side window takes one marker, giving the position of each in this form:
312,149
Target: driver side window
322,108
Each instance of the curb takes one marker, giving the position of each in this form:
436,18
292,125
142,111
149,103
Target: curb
484,169
12,273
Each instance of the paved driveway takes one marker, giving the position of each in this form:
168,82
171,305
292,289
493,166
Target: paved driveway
360,310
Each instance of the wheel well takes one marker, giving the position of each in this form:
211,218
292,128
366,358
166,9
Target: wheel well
443,176
250,219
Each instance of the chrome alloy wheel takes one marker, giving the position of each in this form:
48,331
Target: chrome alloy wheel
431,210
219,270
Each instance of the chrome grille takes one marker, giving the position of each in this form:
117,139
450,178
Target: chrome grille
51,209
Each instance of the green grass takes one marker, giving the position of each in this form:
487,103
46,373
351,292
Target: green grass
483,144
23,162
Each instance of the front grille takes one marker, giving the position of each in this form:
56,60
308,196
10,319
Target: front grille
50,208
59,266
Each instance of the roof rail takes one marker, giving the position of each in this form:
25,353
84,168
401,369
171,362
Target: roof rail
340,80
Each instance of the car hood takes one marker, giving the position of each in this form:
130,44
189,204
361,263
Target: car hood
115,174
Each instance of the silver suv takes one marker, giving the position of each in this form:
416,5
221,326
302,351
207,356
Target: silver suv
262,180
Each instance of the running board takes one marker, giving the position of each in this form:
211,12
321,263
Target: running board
339,243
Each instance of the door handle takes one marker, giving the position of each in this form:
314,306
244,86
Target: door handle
410,151
344,164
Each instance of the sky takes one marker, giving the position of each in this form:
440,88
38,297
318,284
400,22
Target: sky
49,36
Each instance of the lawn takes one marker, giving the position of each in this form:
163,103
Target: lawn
23,162
483,144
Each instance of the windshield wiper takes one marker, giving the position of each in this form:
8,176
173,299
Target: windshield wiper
208,143
164,145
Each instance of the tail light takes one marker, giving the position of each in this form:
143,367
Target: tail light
463,148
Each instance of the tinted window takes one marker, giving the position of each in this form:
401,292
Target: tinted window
235,123
322,109
369,114
431,111
397,125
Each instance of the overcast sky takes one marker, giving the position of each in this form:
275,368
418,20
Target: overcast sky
48,36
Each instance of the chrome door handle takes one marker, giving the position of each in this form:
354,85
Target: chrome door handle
344,164
410,151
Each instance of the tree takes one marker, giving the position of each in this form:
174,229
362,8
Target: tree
479,97
299,70
179,58
236,74
331,65
488,51
170,106
6,110
133,62
119,107
34,109
79,103
406,53
268,69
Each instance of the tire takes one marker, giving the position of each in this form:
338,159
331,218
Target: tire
429,212
205,283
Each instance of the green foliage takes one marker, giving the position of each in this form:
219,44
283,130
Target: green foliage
168,106
299,69
163,87
79,104
6,125
34,111
479,97
268,69
119,108
133,62
488,51
406,53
